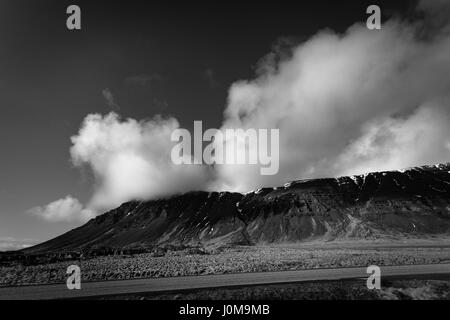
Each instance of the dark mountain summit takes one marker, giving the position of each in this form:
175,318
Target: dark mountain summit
394,204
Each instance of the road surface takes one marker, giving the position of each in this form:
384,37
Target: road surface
120,287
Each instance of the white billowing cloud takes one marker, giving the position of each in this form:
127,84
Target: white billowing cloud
344,104
399,143
131,159
67,209
347,104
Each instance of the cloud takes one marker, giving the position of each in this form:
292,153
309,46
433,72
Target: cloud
109,98
67,209
348,104
344,104
434,6
131,159
393,143
11,244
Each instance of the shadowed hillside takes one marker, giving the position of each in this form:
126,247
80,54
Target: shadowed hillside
393,204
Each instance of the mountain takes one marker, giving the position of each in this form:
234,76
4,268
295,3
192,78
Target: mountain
393,204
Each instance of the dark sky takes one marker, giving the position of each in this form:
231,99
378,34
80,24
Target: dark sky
153,56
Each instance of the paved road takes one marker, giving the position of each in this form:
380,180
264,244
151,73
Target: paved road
92,289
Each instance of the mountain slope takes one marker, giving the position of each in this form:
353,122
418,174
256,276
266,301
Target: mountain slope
375,205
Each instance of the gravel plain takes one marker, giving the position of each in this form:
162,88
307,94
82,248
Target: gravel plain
225,260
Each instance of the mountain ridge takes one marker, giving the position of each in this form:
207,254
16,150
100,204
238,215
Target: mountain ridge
370,206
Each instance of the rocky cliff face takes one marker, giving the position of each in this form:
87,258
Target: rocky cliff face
393,203
397,204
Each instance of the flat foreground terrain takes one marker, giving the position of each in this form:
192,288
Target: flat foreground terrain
227,261
95,289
